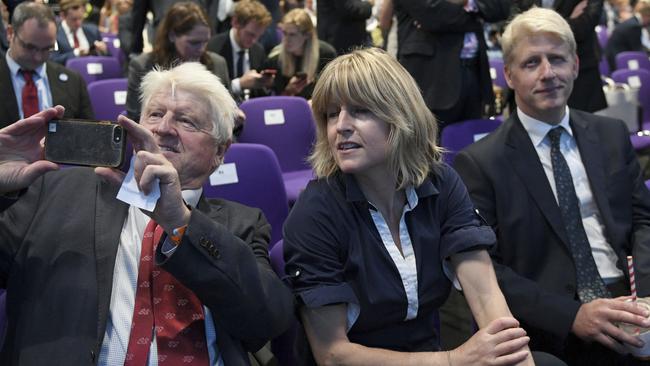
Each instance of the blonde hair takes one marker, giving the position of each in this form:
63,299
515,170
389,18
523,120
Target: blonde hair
302,21
375,80
643,7
193,77
66,5
534,21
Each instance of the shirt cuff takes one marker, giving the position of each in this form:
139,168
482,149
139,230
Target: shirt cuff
235,86
471,7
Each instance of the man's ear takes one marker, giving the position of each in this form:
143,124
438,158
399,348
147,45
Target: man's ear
506,74
576,66
221,152
10,33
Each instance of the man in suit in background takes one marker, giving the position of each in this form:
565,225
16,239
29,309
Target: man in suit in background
441,44
74,38
564,192
627,36
342,23
245,57
30,82
94,280
582,16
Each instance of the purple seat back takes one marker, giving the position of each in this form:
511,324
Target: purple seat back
632,60
113,46
285,124
93,68
647,183
632,78
108,97
259,183
457,136
497,73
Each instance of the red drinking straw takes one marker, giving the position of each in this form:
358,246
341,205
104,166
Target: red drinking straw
630,269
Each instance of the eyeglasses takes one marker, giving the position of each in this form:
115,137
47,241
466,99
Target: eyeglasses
32,48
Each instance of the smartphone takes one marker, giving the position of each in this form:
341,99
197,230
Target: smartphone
85,142
269,72
301,75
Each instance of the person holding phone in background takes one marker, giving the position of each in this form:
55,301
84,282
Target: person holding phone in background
300,57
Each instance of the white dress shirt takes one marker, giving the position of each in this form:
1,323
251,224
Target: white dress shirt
125,277
604,255
235,85
40,79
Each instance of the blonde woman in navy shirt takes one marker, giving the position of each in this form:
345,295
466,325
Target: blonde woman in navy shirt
374,244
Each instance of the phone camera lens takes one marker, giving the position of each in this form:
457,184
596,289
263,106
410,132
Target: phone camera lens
117,134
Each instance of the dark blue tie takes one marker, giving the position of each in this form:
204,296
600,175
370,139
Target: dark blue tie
590,285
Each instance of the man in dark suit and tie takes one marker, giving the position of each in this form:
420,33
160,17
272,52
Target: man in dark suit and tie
627,36
244,56
29,81
74,38
441,44
582,16
564,192
342,23
93,280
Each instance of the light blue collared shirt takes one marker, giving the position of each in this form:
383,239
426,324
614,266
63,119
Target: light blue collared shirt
604,255
40,79
125,277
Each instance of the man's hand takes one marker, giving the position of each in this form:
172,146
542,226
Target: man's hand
596,321
101,48
501,342
150,164
21,150
578,9
255,80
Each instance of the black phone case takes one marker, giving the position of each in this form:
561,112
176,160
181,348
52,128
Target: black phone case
90,143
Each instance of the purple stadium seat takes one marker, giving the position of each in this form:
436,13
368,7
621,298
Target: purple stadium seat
603,35
108,97
640,79
497,73
647,183
286,125
113,45
457,136
632,60
251,175
93,68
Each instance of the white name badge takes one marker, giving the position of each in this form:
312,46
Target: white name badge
94,68
634,81
119,97
633,64
273,117
479,136
225,174
493,73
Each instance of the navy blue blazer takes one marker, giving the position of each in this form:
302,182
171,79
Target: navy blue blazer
65,50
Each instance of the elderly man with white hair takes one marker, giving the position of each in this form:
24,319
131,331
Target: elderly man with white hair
90,281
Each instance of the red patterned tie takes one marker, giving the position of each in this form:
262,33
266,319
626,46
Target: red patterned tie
75,39
164,304
30,94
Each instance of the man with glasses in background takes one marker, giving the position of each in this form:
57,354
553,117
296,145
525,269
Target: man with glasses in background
30,83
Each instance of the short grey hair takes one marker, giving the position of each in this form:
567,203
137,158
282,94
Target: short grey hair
31,10
193,77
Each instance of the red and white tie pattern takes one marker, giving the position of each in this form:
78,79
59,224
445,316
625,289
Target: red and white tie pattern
164,305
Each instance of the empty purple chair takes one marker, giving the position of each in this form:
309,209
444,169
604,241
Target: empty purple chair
457,136
93,68
251,176
286,125
497,73
108,97
113,46
632,60
639,78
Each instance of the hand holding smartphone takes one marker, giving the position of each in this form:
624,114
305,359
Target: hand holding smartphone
85,142
301,75
269,72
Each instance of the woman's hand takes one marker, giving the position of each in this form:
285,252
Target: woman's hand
502,342
295,86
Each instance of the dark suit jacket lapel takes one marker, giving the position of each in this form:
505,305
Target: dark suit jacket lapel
110,214
9,106
592,158
58,87
525,162
62,39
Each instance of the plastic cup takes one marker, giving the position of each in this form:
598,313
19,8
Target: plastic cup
642,333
